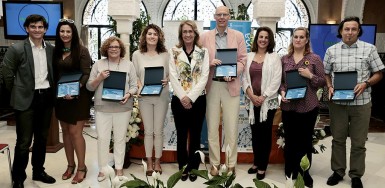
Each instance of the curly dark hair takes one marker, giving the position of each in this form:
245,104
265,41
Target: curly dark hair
270,47
106,44
160,47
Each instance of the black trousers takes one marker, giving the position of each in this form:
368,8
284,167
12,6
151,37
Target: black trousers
32,123
188,121
261,138
298,129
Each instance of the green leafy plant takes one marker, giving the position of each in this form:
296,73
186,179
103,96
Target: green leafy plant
137,26
156,183
241,15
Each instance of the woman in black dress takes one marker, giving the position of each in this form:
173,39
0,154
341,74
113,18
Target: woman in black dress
72,111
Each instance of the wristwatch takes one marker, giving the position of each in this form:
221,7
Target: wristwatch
367,83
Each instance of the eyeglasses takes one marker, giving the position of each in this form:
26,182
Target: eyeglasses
114,47
66,20
221,15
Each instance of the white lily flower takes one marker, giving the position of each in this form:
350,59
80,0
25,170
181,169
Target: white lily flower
135,110
135,127
108,171
138,120
322,132
223,169
155,175
228,151
289,182
202,155
281,142
115,182
144,167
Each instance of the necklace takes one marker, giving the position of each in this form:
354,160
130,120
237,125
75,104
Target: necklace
66,49
117,66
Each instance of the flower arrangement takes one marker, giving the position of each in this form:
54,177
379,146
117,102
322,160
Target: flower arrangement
318,134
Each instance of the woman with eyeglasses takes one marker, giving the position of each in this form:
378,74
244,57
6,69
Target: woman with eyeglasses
71,57
189,70
153,109
299,115
112,115
261,81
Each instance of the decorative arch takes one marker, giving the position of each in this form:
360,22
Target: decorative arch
296,15
200,10
100,24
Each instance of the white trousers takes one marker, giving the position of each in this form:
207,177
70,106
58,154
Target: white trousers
219,98
153,111
118,123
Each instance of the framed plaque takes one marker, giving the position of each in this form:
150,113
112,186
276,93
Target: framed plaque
114,86
344,83
296,85
69,84
229,63
153,77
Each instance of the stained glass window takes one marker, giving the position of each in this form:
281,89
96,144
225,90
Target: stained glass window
296,15
99,24
201,10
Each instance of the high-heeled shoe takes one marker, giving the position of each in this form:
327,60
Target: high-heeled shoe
76,179
157,167
252,170
69,172
261,176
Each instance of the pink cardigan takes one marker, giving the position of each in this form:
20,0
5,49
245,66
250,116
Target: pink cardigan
235,39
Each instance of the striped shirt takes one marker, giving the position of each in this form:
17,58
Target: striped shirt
361,57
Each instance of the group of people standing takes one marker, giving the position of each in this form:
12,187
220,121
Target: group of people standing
32,68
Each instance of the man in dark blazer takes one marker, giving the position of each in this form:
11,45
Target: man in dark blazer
28,75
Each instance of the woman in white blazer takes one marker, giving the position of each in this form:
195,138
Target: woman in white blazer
261,81
189,70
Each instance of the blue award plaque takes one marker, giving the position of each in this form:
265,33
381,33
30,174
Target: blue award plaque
153,77
69,88
114,86
295,93
228,67
226,70
345,95
151,90
68,84
296,85
112,94
344,83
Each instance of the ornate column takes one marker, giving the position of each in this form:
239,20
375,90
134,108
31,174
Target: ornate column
125,12
268,12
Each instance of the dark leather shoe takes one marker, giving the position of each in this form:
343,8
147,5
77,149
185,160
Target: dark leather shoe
184,177
356,183
43,177
18,184
261,176
334,179
252,170
192,177
308,180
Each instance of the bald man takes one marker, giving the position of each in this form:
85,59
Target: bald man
224,93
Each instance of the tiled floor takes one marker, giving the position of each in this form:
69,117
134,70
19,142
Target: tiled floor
56,164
